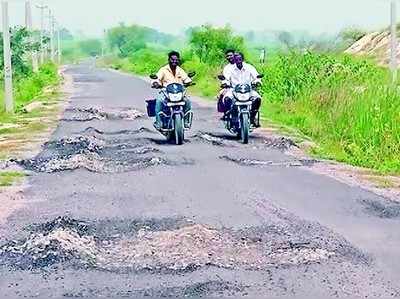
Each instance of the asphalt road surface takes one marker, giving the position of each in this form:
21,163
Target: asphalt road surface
113,210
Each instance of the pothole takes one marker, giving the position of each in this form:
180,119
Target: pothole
76,144
87,79
382,208
97,113
182,246
93,162
280,143
207,288
85,97
210,138
98,154
261,163
91,130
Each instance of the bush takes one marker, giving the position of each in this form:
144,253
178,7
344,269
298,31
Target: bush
341,102
28,88
209,43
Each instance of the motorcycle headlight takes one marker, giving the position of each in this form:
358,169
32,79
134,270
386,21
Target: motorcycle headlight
242,97
175,97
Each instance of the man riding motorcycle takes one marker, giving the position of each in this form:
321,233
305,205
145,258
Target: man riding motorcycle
230,57
242,73
168,74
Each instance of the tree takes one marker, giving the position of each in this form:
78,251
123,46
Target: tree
91,47
130,39
209,43
350,35
21,45
286,39
65,34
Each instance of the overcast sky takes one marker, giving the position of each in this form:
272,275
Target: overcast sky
316,16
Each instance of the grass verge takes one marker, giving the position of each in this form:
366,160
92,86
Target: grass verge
9,178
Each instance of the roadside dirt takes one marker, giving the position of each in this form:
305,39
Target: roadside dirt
25,145
386,186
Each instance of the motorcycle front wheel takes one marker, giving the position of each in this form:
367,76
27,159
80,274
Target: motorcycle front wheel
244,128
179,132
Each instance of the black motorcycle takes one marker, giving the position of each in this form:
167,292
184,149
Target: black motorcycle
237,119
174,120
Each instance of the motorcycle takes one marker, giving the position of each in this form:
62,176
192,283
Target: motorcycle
237,119
174,120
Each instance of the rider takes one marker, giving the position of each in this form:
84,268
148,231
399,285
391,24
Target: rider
168,74
244,73
230,57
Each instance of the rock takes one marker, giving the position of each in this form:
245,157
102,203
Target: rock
32,106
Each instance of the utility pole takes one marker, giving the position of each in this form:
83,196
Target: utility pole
103,43
393,42
59,51
28,25
52,43
8,87
42,9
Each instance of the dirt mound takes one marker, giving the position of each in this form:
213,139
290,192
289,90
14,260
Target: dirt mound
376,44
98,113
98,153
181,249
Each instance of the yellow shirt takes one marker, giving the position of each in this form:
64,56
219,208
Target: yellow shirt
165,76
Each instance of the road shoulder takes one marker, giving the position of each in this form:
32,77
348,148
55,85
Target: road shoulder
25,140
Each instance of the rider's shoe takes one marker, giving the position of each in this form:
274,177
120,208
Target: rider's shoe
186,124
157,125
255,122
224,117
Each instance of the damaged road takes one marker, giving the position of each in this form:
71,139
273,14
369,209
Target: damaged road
113,210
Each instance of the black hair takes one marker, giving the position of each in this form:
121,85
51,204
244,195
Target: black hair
229,51
241,54
174,53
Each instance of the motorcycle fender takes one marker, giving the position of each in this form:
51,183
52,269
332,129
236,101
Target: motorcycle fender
170,104
248,103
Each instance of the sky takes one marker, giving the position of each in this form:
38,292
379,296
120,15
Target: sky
173,16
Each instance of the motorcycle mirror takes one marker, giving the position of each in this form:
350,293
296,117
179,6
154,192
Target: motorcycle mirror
260,76
192,74
221,77
153,76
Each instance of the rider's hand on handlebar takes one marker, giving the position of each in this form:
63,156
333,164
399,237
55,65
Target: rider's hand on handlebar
224,85
189,84
156,85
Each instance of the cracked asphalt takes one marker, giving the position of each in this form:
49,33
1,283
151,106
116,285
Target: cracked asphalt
113,210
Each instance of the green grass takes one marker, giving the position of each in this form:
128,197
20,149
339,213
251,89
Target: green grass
27,89
342,103
9,178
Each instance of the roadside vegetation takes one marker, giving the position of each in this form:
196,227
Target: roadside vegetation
344,104
8,178
27,84
19,129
